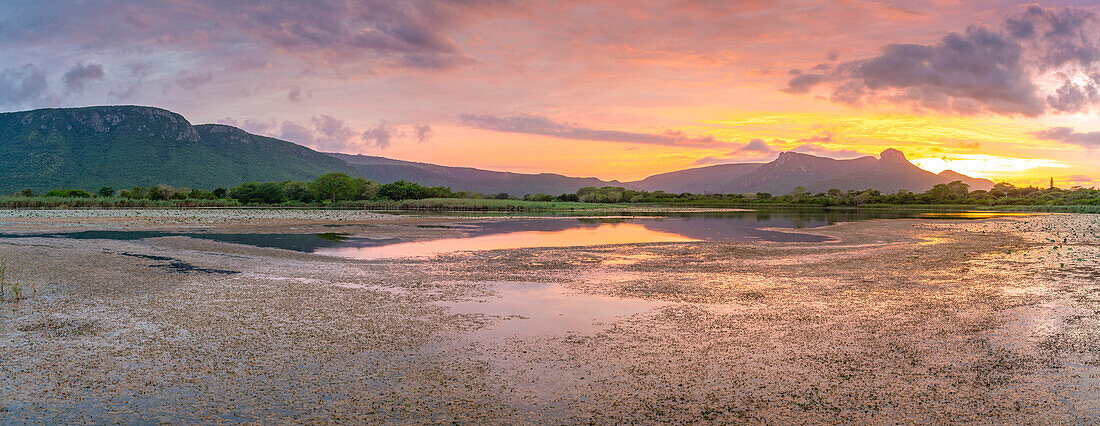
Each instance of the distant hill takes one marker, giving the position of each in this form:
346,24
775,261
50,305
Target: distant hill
382,169
123,146
699,180
890,172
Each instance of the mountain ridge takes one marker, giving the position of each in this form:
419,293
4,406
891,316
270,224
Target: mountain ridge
384,169
128,145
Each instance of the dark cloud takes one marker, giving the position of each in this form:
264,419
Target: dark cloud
978,70
977,65
295,94
1067,135
538,125
755,146
323,132
1071,97
413,33
1057,37
24,85
423,132
381,135
803,83
331,133
297,133
76,78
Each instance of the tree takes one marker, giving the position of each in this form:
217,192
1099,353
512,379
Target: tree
402,190
26,193
69,193
220,192
156,193
258,192
297,191
331,185
199,194
949,192
136,192
106,191
798,193
362,189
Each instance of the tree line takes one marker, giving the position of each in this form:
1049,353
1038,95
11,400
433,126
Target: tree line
957,193
339,187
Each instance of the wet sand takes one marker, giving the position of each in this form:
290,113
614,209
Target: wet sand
992,320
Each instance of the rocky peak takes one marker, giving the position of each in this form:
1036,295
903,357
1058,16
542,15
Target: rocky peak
155,122
892,155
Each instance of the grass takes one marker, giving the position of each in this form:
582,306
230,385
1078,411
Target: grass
16,289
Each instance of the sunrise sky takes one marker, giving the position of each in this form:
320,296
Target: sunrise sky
615,90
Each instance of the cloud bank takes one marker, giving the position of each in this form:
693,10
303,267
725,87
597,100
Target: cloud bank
1068,135
980,70
538,125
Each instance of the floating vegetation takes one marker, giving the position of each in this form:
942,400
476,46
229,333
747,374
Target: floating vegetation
333,236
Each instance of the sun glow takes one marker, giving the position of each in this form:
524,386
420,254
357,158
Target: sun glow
985,166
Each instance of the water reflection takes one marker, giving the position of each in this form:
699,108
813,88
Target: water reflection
571,234
528,232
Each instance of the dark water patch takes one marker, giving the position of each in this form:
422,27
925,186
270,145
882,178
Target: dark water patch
147,256
179,266
307,243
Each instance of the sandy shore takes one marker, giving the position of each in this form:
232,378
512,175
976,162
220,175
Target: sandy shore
994,320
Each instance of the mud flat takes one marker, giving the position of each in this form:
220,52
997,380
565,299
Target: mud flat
915,320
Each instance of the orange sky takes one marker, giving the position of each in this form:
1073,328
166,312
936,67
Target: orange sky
615,90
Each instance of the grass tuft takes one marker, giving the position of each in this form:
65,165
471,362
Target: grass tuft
10,291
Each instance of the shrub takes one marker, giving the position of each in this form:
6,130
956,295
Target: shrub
69,193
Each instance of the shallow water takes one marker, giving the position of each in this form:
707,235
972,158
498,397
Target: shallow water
607,233
532,232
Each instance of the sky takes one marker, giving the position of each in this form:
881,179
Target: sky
610,89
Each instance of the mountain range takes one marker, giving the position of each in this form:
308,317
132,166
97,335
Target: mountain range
123,146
